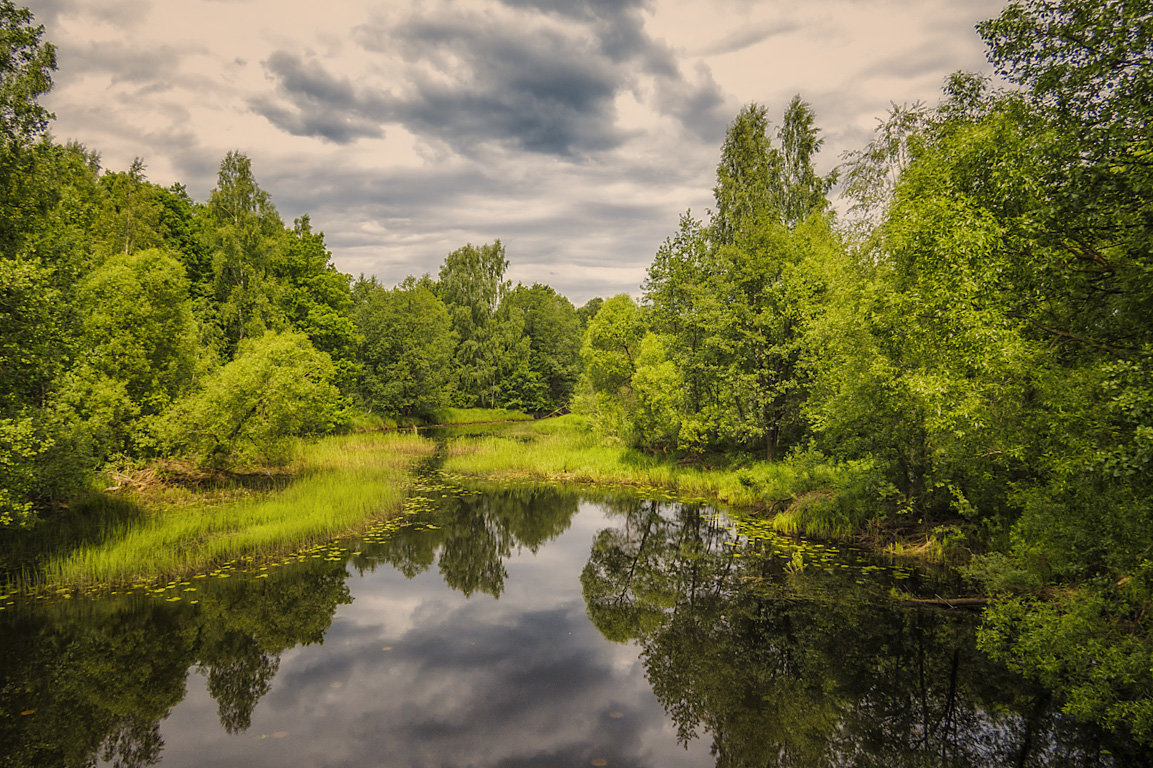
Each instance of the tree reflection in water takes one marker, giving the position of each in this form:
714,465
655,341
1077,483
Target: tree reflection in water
475,534
785,666
776,664
99,677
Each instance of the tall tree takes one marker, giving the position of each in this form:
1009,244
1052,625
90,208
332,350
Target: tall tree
471,284
748,177
405,350
315,297
803,192
26,66
552,329
244,235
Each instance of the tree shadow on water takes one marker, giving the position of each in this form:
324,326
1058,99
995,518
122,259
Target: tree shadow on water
93,519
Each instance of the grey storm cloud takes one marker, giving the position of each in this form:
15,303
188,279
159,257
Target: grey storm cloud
320,104
545,92
473,81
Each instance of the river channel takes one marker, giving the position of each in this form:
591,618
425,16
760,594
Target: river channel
521,626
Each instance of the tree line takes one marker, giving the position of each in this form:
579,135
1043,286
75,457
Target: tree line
141,323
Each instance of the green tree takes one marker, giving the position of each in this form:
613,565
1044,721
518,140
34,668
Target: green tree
278,387
406,348
471,284
588,310
550,324
609,356
26,66
749,176
138,326
504,372
803,192
245,236
137,351
131,213
315,297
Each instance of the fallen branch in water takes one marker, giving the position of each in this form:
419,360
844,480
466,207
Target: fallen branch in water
953,602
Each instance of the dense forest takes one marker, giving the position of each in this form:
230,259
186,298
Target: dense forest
969,347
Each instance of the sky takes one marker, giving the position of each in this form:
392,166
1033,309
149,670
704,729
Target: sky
576,131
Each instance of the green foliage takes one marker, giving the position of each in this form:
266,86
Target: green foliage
471,284
588,311
749,184
550,324
279,387
33,337
316,299
659,391
406,349
26,66
1081,646
138,326
245,236
608,354
131,212
23,445
803,192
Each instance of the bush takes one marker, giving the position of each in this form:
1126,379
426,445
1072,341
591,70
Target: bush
279,387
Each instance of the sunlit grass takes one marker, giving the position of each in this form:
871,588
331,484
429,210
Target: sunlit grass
449,416
340,484
564,449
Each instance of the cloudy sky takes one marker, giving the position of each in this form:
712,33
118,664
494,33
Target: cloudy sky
576,131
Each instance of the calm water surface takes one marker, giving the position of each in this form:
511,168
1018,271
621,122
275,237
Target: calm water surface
527,626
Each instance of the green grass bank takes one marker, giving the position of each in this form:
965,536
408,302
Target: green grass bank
805,495
150,529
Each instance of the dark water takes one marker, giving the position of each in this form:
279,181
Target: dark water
527,627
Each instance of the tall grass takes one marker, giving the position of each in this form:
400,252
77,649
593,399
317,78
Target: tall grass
805,496
450,416
340,484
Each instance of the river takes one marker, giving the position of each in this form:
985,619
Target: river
528,625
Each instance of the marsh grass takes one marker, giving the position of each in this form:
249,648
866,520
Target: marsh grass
338,485
450,416
805,496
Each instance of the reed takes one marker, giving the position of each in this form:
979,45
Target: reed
338,485
450,416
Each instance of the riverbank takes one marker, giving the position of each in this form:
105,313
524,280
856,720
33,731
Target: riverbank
152,527
804,496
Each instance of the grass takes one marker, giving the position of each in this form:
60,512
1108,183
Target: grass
338,486
451,416
810,497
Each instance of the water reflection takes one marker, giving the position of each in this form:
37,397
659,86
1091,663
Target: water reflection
473,533
738,647
798,665
80,680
